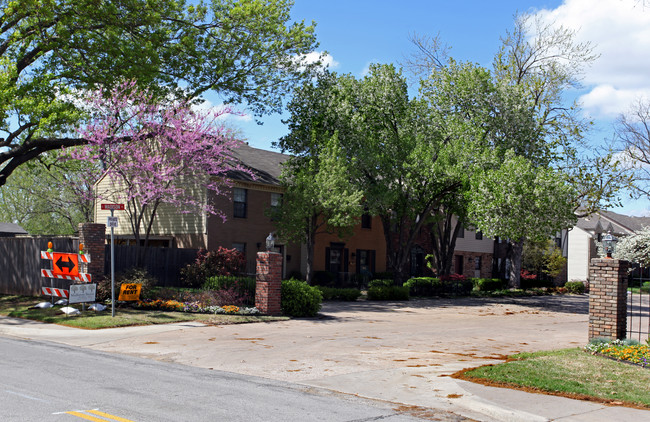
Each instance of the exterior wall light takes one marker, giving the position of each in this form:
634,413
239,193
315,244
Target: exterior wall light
609,243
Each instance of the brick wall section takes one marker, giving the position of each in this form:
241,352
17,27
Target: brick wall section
607,298
93,237
268,289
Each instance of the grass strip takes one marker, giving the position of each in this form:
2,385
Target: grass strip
18,307
572,373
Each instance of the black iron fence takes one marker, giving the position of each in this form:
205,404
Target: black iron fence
638,305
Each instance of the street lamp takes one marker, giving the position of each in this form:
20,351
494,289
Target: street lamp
609,243
270,243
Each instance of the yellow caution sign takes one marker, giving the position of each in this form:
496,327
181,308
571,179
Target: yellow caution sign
130,291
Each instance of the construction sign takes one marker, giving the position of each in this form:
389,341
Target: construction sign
66,266
50,291
130,291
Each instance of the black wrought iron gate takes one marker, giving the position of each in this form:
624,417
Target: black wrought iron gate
638,305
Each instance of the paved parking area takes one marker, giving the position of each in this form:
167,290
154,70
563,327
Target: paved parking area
365,336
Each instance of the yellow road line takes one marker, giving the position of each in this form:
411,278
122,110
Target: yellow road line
88,417
107,416
98,413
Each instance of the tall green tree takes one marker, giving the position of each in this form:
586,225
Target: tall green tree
53,51
49,196
406,160
534,68
519,200
319,198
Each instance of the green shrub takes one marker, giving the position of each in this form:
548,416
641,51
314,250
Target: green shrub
575,287
488,284
380,282
207,264
241,288
388,293
424,286
136,276
332,293
132,275
385,275
456,285
299,299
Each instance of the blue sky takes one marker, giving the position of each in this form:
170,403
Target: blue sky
356,33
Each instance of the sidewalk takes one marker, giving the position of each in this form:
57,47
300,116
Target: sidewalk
397,352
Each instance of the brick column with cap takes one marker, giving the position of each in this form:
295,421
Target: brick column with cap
607,298
93,237
268,279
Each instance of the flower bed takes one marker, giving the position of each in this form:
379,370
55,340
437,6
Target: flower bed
196,307
622,350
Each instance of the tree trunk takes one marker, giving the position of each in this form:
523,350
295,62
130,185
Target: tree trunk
311,240
443,240
515,264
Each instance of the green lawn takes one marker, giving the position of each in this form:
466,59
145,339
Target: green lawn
17,306
570,372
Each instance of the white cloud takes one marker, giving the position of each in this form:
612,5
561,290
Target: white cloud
620,33
327,61
606,101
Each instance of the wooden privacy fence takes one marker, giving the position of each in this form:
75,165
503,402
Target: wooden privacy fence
21,263
163,264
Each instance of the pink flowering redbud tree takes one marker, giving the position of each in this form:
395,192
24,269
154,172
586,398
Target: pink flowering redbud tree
155,151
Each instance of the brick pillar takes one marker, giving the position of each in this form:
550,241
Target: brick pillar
607,298
268,278
93,236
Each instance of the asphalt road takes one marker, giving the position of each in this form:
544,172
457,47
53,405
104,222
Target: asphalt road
42,381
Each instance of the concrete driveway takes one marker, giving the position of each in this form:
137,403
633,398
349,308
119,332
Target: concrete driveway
400,352
365,336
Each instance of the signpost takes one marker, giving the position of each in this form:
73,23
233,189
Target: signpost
130,291
112,223
80,293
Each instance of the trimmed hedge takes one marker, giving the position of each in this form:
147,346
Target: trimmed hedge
424,286
332,293
431,286
381,282
489,284
575,287
299,299
388,293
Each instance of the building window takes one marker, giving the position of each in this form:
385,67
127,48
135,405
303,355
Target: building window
276,203
365,261
241,247
366,220
239,201
461,231
477,263
479,235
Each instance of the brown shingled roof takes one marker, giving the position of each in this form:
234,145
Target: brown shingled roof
265,165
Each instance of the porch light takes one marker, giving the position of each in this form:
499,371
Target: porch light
609,243
270,242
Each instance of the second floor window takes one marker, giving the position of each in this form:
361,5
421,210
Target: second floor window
239,201
479,235
366,220
276,203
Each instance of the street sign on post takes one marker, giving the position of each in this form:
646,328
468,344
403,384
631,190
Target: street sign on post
112,223
112,207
